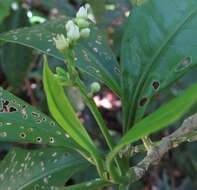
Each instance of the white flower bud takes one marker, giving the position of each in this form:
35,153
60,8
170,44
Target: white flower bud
82,13
84,33
73,33
61,42
87,6
82,23
90,13
69,25
95,87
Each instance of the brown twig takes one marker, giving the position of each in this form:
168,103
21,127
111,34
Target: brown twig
187,132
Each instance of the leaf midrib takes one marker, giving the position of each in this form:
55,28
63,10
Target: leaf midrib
153,61
53,170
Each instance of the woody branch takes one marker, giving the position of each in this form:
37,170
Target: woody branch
187,132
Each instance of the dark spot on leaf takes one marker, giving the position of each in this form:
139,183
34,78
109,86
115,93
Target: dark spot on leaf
5,102
5,107
156,85
12,109
39,139
52,123
34,114
143,101
22,135
38,121
184,63
44,119
51,140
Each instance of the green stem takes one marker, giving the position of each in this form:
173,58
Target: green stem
97,115
117,177
90,103
99,119
147,143
69,59
90,185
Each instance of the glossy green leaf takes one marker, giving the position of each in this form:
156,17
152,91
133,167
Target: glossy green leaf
38,169
163,117
159,46
93,56
63,112
20,122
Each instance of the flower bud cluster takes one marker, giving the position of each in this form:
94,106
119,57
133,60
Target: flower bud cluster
76,29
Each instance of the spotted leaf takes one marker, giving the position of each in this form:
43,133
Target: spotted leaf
166,115
38,169
93,56
20,122
158,47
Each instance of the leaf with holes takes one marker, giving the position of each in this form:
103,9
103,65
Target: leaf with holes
64,113
163,117
20,122
157,49
29,169
93,56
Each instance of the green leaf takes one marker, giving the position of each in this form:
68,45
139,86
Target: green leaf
138,2
18,59
98,8
14,57
163,117
5,9
89,185
93,55
63,6
22,123
112,14
64,113
38,169
159,46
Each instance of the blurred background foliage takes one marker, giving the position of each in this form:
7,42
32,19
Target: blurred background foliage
21,73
